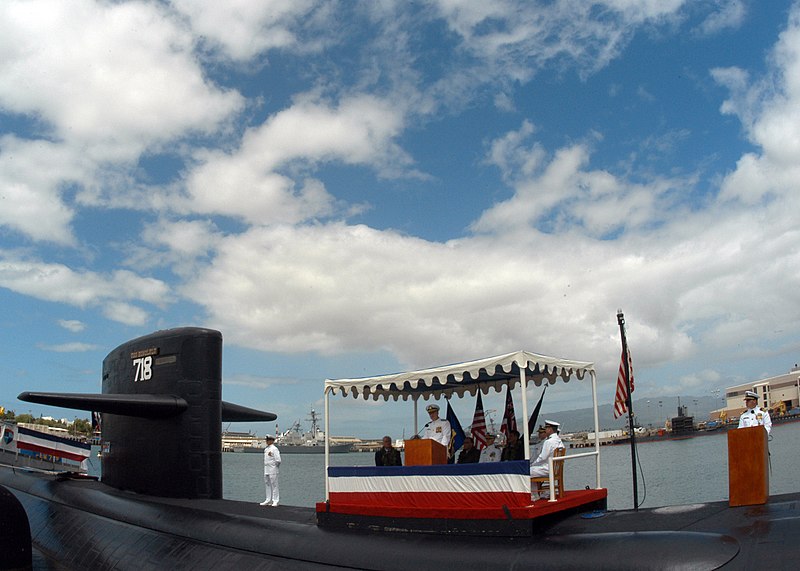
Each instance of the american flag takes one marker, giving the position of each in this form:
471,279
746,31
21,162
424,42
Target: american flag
478,428
621,398
509,417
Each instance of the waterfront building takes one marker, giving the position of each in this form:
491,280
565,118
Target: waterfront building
238,441
779,394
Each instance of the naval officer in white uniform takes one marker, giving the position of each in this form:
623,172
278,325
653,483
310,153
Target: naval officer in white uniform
493,451
540,466
437,429
754,415
541,436
272,462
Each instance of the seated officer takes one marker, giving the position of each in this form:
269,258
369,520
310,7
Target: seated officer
493,451
540,467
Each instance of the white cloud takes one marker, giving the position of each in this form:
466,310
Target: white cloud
245,29
562,194
770,112
73,325
335,288
255,382
729,15
59,283
182,237
504,102
535,197
69,347
123,312
31,194
694,383
247,184
542,272
515,39
176,244
117,77
104,82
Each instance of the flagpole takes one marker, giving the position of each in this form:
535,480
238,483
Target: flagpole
523,381
629,404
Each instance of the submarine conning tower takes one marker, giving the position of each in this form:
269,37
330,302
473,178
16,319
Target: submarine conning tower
162,414
179,455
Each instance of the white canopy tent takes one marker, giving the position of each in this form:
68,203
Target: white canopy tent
520,367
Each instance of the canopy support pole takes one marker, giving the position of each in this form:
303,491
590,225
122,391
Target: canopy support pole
327,445
596,429
416,416
523,383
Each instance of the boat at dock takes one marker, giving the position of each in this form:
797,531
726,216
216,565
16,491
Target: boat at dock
687,429
242,442
292,441
295,441
41,448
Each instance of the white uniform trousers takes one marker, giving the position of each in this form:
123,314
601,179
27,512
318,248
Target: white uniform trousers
271,485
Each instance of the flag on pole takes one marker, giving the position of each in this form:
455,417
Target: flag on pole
621,398
509,418
456,432
478,428
535,414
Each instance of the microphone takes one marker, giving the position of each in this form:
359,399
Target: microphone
420,430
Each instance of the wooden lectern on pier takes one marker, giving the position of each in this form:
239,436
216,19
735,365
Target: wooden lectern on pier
748,466
424,452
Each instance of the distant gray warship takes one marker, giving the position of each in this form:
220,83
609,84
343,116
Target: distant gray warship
294,441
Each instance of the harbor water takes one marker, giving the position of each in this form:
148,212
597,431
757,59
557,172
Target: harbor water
672,472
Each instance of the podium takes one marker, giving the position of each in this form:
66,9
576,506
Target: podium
748,466
424,452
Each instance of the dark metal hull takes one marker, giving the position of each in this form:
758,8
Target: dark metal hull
87,525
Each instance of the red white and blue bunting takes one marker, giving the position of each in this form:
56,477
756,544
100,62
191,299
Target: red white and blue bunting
442,487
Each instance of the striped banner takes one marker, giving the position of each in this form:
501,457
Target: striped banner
621,395
450,486
478,429
44,443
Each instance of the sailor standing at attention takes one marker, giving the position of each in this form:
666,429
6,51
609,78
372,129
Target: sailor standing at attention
272,462
437,429
754,415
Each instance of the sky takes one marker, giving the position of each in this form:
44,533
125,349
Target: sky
347,189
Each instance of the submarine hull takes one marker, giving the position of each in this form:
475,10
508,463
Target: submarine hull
85,524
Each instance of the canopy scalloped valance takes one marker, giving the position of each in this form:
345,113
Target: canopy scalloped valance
462,378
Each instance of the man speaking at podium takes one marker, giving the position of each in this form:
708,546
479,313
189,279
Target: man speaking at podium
754,416
437,429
